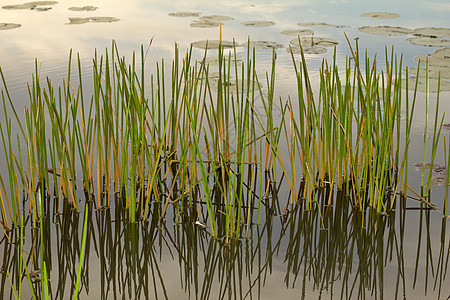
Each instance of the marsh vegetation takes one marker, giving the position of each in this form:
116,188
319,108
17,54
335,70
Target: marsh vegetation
169,146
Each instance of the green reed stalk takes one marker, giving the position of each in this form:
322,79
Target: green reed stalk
425,132
436,135
15,204
81,258
447,171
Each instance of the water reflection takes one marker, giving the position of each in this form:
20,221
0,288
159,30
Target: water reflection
337,253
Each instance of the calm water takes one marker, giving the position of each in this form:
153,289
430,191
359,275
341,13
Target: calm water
402,255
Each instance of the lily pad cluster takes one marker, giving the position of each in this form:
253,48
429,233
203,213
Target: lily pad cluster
427,36
76,21
438,67
439,179
438,62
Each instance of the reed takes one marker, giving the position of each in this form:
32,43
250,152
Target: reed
203,141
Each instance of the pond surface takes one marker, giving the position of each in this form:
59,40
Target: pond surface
46,35
291,253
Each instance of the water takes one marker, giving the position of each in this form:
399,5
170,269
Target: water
403,255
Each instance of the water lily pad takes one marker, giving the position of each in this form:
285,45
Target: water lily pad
315,41
76,21
29,5
429,41
216,18
432,32
83,8
262,45
185,14
214,60
297,32
433,60
442,52
205,24
318,25
436,167
385,30
258,23
307,49
421,84
433,72
213,44
381,15
7,26
229,83
103,19
438,180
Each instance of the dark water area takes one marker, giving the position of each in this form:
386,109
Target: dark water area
336,252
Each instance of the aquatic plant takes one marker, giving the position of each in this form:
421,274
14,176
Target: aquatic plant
184,143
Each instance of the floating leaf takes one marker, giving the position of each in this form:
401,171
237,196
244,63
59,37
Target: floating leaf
231,83
214,60
436,167
381,15
433,72
205,24
438,180
29,5
185,14
432,32
7,26
297,32
442,52
262,45
83,8
77,21
421,84
103,19
216,18
429,41
433,60
385,30
315,41
308,49
213,44
318,25
258,23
